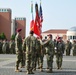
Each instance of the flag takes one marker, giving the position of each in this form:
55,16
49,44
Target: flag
41,17
32,21
40,13
37,22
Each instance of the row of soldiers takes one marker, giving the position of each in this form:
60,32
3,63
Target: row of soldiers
33,49
7,47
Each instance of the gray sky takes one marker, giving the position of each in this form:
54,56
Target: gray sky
57,14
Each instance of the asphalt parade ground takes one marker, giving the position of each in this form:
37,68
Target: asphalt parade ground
7,66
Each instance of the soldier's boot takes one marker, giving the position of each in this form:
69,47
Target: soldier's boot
57,65
28,72
17,70
60,66
41,69
38,67
49,71
31,72
34,69
47,68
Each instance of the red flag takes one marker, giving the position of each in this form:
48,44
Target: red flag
37,30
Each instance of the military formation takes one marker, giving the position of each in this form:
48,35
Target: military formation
30,51
7,47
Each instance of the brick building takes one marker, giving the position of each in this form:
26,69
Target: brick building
5,22
19,22
9,26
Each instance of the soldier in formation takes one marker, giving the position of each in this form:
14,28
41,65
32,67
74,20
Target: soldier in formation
74,48
68,47
30,45
59,52
1,46
19,52
12,46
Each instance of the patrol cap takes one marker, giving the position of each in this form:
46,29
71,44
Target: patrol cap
18,30
31,32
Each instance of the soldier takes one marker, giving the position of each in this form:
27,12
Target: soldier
30,45
1,46
4,46
12,47
18,47
39,54
49,52
7,47
59,53
68,47
74,48
23,56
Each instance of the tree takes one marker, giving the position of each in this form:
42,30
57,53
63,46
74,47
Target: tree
2,36
13,37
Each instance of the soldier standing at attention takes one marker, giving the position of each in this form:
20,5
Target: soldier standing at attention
68,47
18,47
49,52
74,48
1,46
30,45
59,53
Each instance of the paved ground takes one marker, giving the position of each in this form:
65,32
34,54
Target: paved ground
7,63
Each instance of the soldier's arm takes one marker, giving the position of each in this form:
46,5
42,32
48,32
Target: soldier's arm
24,45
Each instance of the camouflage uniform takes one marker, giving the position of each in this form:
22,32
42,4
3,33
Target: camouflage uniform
1,46
12,47
7,47
23,56
49,53
39,55
4,47
30,45
18,48
68,47
59,54
74,48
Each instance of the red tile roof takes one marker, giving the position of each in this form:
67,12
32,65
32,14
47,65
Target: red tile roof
56,31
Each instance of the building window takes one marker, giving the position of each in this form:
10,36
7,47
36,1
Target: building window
69,37
74,37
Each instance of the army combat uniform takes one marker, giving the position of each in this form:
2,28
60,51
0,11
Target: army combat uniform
59,53
49,44
18,47
74,48
30,44
68,47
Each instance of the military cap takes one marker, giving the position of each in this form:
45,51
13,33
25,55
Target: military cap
50,35
38,37
19,29
31,32
59,37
